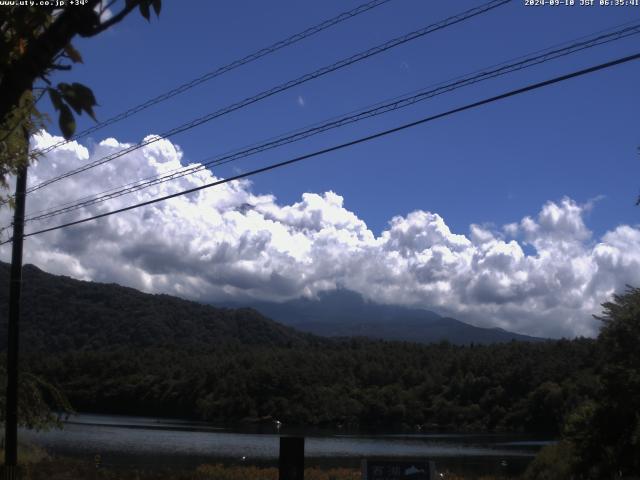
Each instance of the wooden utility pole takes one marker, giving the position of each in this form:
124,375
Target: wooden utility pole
15,287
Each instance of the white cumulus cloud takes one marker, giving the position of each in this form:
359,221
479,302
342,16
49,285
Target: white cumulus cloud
229,242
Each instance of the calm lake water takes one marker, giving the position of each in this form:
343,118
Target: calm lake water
145,442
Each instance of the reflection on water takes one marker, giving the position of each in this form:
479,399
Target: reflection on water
141,440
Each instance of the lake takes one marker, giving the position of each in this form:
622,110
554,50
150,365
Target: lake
151,442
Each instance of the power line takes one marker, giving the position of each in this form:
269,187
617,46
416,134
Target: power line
398,102
351,143
285,86
375,110
135,182
583,42
365,7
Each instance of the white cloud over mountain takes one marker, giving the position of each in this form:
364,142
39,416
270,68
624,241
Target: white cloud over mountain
229,242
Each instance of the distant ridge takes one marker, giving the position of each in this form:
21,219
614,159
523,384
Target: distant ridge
344,313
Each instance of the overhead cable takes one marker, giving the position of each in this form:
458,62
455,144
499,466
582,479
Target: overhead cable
351,143
365,7
284,86
368,112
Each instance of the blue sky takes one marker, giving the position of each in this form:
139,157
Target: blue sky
519,214
494,164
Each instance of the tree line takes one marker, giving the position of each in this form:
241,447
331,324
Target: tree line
528,387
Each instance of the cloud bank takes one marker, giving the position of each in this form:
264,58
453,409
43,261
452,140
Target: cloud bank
228,242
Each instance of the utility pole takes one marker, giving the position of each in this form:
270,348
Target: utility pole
15,287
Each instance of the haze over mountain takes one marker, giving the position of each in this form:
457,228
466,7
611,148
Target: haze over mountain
344,313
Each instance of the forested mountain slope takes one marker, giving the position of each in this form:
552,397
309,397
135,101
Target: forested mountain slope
60,313
116,350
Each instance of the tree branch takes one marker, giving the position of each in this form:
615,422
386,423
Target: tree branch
42,50
45,49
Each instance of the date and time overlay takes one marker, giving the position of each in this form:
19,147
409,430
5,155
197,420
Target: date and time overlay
526,3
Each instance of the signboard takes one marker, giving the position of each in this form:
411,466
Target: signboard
398,469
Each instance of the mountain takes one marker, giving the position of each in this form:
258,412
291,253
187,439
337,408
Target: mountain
116,350
344,313
60,313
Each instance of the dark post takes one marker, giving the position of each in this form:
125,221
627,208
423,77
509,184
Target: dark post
291,463
11,419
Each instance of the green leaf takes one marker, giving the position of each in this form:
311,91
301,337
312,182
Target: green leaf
68,95
144,9
157,6
86,97
67,122
56,99
73,54
79,97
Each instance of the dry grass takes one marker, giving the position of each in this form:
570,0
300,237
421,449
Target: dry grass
29,454
220,472
36,464
69,469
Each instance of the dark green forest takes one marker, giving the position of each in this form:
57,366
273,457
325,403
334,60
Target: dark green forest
528,387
